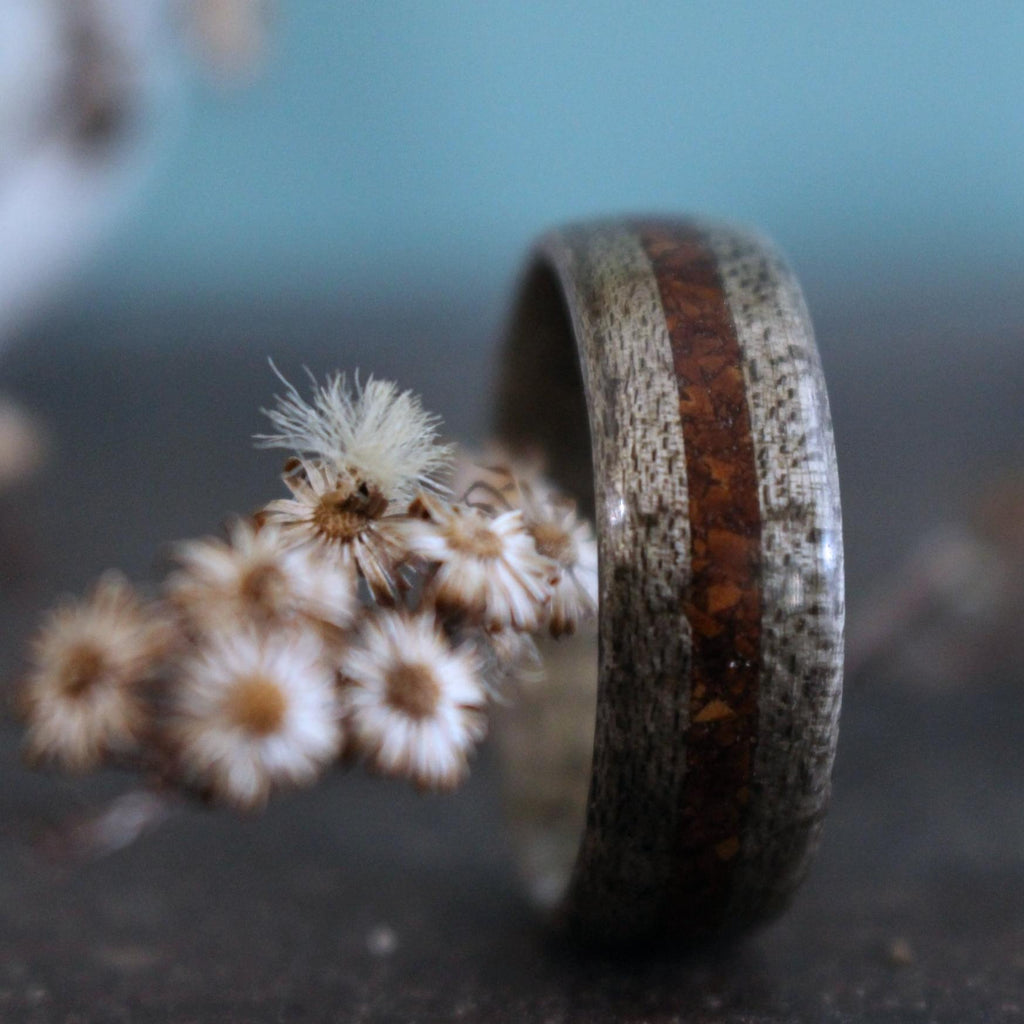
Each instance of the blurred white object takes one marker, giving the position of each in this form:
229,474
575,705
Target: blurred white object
84,86
86,90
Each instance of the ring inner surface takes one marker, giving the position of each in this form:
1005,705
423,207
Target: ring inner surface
546,734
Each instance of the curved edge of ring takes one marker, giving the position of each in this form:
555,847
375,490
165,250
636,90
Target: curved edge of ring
628,856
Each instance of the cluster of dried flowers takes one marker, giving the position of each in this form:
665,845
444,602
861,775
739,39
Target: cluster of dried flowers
370,615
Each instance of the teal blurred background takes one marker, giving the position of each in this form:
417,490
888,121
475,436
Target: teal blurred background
401,149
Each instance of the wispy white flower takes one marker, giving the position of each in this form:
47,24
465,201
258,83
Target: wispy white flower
256,576
373,433
345,521
487,567
414,703
82,693
254,711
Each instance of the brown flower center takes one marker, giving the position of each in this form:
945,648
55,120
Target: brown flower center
84,667
342,514
553,542
256,705
264,588
471,536
413,690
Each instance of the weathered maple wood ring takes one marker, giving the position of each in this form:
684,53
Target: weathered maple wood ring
668,371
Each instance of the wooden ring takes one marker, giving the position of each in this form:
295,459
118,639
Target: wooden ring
677,360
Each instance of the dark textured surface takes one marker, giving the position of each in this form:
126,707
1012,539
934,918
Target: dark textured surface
359,901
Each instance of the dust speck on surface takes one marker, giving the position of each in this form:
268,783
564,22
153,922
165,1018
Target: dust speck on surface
382,940
900,953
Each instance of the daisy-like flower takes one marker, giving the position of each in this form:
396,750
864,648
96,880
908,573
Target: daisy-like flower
414,703
82,693
257,577
345,521
550,518
372,433
488,568
569,542
255,711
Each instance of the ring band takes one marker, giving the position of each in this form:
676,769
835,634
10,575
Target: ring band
668,372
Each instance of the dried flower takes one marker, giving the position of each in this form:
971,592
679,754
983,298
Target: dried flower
82,693
488,568
569,542
373,433
345,521
414,703
551,519
256,576
256,710
268,683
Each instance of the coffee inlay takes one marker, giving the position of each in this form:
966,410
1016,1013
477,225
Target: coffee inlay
723,602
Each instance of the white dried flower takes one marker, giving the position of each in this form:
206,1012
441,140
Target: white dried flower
373,433
256,576
346,522
487,567
82,693
551,519
569,542
414,703
255,711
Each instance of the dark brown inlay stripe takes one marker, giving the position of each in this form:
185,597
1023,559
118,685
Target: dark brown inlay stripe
723,603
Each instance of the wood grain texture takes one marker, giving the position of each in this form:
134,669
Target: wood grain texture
802,571
721,572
